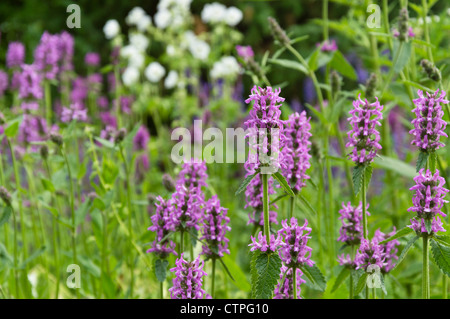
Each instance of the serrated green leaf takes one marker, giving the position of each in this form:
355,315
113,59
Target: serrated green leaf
245,183
441,255
267,266
6,214
160,269
358,175
443,240
405,250
315,277
427,223
280,179
400,233
403,50
362,281
421,161
345,272
368,175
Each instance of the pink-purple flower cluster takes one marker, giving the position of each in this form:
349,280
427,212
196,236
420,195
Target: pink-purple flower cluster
294,251
47,55
266,136
15,55
370,253
428,200
390,249
346,261
74,113
428,124
214,228
351,230
245,52
193,176
260,243
285,289
30,89
296,150
160,226
3,82
327,46
363,136
186,213
254,199
188,280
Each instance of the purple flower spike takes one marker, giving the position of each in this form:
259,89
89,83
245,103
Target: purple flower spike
187,211
92,59
261,243
363,136
245,52
285,290
346,261
188,280
254,199
160,222
30,87
193,176
294,252
369,253
296,150
47,55
215,227
141,138
15,55
428,124
427,201
265,135
351,230
66,45
390,249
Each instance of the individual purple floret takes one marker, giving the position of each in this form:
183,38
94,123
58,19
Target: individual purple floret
346,261
141,138
214,228
254,199
296,150
265,128
245,52
188,280
66,49
47,55
427,201
285,290
261,243
30,88
75,113
363,136
327,46
369,253
92,59
428,124
351,230
294,252
160,225
15,55
3,82
390,249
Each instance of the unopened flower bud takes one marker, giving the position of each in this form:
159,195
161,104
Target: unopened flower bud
403,25
44,151
120,135
431,71
336,82
5,196
371,86
277,32
168,182
56,138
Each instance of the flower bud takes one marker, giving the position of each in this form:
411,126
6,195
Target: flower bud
277,32
5,196
168,182
403,25
44,151
431,71
56,138
120,135
336,82
371,86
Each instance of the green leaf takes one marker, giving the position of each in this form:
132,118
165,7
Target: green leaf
403,55
226,269
245,183
361,283
358,173
12,127
340,64
405,250
313,60
160,269
442,240
241,280
307,204
314,277
427,223
6,214
280,178
32,257
265,274
395,165
299,39
290,65
400,233
368,175
345,272
421,161
48,185
441,255
278,198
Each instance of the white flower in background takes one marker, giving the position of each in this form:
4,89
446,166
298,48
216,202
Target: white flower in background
233,16
437,19
214,12
155,72
199,49
127,51
163,18
171,80
136,14
136,59
144,23
225,67
170,50
183,5
130,76
139,41
111,29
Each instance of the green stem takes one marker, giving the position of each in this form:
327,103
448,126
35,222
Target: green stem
291,209
294,281
363,198
161,290
213,276
426,29
266,207
425,269
16,275
72,208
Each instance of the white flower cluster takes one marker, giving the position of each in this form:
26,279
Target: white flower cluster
111,29
139,18
134,52
172,13
197,47
218,13
227,67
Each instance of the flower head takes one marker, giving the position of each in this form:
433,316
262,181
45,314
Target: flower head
188,280
390,249
363,136
327,46
30,87
427,201
260,243
92,59
428,124
296,150
160,225
15,55
141,138
346,261
193,176
186,212
47,55
294,252
214,228
245,52
351,230
285,289
369,253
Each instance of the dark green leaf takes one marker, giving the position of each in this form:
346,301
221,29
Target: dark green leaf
345,272
315,277
367,176
280,178
290,65
403,50
405,250
340,64
443,240
441,255
421,161
400,233
267,267
245,183
160,269
361,283
6,214
358,175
